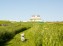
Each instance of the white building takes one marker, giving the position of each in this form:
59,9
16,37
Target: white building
35,18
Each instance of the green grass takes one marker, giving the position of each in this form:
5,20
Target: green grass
9,31
39,34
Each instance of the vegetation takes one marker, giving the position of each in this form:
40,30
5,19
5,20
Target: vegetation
36,34
8,30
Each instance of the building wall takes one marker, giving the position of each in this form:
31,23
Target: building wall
35,18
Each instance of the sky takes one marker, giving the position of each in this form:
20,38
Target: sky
22,10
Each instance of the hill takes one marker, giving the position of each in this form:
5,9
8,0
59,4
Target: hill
37,34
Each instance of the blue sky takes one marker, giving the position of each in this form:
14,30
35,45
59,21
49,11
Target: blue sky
49,10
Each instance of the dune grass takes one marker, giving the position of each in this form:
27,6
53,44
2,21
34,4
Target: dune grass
10,30
40,34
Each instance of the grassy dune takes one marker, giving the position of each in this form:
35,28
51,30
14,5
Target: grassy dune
40,34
